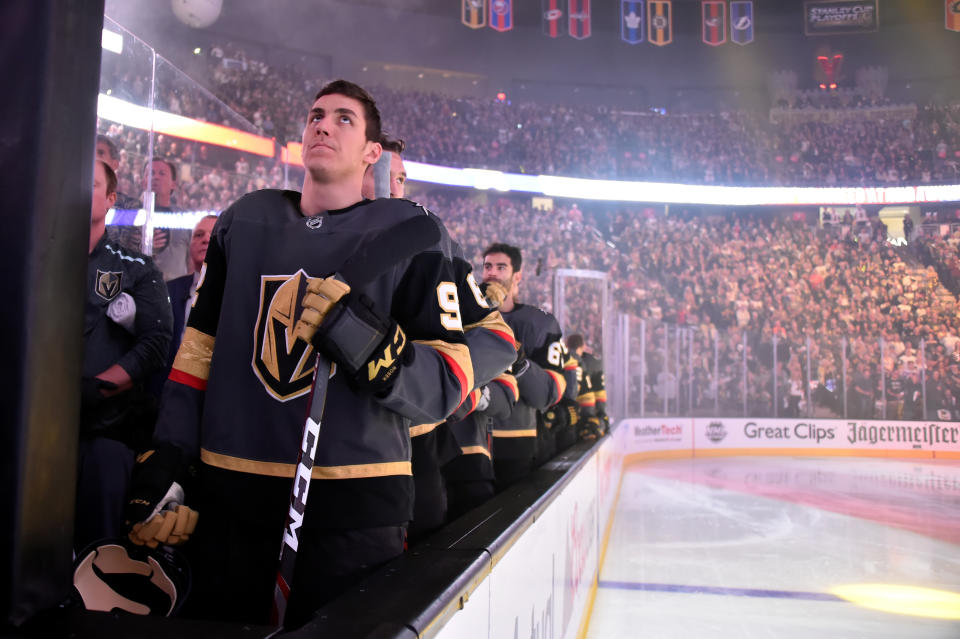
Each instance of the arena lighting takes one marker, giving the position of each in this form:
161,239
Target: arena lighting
139,117
111,108
903,600
165,220
111,41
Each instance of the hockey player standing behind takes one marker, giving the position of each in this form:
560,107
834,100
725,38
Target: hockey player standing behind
592,396
539,375
492,351
239,389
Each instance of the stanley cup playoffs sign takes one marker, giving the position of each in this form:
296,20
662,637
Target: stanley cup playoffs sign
833,17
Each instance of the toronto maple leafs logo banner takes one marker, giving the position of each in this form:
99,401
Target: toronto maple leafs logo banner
631,21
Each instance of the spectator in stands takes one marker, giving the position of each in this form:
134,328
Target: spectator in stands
107,152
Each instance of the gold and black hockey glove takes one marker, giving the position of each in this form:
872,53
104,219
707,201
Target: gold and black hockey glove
369,348
155,513
494,293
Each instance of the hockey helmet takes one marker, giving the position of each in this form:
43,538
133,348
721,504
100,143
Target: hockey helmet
114,574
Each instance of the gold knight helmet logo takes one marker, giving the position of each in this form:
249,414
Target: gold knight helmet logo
283,363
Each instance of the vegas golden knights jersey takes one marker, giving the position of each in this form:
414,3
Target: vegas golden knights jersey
540,386
238,391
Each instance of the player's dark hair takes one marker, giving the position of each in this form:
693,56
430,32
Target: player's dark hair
575,341
111,177
111,146
513,252
157,158
394,145
371,114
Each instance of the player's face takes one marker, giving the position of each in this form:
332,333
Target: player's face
335,144
398,176
200,240
101,202
498,268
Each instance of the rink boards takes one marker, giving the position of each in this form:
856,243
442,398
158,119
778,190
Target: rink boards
543,582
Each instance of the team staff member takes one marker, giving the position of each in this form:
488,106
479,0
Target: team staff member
239,388
538,371
492,351
127,327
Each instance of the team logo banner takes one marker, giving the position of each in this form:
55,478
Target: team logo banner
952,18
741,22
714,28
501,15
553,22
473,13
631,21
579,13
832,17
659,22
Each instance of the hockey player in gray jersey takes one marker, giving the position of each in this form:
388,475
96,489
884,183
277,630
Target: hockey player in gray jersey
235,402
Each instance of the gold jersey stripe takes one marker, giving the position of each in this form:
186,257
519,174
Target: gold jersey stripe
423,429
515,433
276,469
460,355
475,450
494,322
600,395
195,353
586,397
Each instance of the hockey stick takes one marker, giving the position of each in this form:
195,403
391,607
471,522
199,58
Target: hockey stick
373,258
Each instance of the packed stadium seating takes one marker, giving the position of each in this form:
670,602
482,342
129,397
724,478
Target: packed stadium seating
865,307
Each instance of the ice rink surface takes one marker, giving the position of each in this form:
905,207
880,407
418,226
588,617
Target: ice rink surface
749,547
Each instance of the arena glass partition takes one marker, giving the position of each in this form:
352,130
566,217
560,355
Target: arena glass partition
666,369
150,109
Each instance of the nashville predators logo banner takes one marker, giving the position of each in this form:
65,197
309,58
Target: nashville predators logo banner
579,13
659,22
631,21
553,22
283,363
714,28
501,15
953,15
741,22
473,13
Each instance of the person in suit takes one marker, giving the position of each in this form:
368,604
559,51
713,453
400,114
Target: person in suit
182,289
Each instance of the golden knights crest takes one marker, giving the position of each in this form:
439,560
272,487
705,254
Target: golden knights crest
109,284
283,363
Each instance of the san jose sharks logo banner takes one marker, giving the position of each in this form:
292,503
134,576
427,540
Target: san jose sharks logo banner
631,21
579,14
741,22
553,18
714,25
473,13
501,15
659,22
952,17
